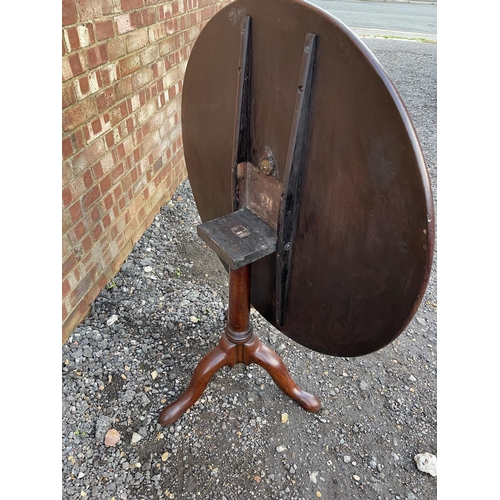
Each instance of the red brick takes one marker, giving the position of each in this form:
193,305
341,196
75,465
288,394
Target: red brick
172,26
69,12
68,264
105,99
143,17
142,78
117,114
137,40
106,75
137,154
106,221
67,174
123,24
105,184
96,126
130,125
165,11
89,9
134,175
89,38
117,173
75,64
108,201
66,223
72,38
123,88
87,179
126,183
86,244
91,197
116,48
110,7
77,138
104,29
78,293
110,139
79,231
97,170
67,196
97,231
120,152
67,147
132,4
75,211
66,249
68,95
97,55
66,288
84,85
79,114
88,156
95,214
129,65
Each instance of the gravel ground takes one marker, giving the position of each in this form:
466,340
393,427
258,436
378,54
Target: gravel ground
244,438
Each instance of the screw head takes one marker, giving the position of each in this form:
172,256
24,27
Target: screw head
267,165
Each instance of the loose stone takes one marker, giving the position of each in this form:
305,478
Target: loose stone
427,462
112,437
135,438
113,319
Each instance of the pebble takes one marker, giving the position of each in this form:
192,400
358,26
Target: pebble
113,319
426,462
281,448
112,437
284,418
421,321
135,438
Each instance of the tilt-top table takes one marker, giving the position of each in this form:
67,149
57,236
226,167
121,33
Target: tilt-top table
311,185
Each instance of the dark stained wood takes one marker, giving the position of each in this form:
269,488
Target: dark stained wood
239,238
363,247
238,344
296,162
241,134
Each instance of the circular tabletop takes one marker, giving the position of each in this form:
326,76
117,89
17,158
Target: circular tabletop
363,247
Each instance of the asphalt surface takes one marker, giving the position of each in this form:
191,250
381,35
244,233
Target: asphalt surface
386,19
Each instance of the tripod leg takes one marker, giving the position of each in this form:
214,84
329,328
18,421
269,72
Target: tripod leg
223,354
264,356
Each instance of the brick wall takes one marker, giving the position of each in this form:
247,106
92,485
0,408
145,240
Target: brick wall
123,63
